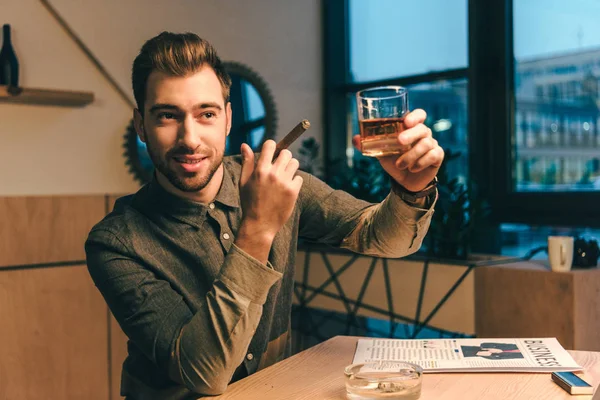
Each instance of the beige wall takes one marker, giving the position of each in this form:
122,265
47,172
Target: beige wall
456,315
52,150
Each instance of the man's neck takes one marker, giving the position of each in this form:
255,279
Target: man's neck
204,196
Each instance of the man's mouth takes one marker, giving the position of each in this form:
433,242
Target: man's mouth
188,159
191,163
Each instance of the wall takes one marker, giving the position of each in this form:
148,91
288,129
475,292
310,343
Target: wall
55,327
53,150
457,314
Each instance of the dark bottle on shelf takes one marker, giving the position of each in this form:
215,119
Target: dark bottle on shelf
9,65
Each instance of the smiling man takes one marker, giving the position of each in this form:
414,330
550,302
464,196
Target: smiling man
198,265
188,121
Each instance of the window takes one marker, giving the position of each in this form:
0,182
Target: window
518,239
553,175
388,38
381,45
514,86
534,74
248,124
557,138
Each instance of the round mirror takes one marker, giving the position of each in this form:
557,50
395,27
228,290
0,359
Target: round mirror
254,120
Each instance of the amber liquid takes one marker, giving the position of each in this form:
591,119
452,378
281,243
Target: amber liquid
379,137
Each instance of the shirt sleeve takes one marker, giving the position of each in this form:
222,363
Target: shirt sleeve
391,228
200,350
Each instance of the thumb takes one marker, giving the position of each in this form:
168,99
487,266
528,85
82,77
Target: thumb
247,163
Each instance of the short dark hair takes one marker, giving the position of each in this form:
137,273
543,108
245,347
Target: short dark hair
177,54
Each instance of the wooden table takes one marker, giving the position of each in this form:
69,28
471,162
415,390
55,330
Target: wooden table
317,373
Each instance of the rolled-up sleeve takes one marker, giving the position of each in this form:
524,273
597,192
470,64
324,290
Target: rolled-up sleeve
391,228
200,349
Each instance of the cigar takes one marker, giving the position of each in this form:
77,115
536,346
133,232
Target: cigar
292,136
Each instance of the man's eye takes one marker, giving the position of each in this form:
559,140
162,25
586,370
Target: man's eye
208,115
166,115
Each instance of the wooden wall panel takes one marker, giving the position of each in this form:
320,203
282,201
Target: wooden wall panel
516,301
528,300
46,229
53,335
587,309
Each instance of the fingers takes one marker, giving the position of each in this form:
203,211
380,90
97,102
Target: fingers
269,196
412,135
433,158
292,168
286,164
297,183
414,118
247,163
282,160
422,147
266,155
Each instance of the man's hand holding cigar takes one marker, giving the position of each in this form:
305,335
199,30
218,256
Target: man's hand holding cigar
269,188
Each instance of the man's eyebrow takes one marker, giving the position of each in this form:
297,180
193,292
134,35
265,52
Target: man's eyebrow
208,105
163,106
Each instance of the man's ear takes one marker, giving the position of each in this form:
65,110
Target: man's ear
229,116
138,124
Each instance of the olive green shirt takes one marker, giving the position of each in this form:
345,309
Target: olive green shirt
199,312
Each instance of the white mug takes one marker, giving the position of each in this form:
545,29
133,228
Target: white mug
560,253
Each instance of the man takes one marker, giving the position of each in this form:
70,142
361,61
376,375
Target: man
198,266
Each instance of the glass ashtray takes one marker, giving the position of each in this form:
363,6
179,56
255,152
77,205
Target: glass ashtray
383,380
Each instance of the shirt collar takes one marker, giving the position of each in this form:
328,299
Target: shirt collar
185,210
229,194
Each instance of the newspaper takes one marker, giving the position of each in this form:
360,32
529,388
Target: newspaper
470,355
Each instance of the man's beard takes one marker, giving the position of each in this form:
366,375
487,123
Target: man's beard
186,182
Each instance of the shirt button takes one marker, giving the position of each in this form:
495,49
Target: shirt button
226,236
212,206
249,356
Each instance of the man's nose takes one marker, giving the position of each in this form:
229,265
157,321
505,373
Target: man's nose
189,133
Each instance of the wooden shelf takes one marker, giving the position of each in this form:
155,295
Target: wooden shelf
64,98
